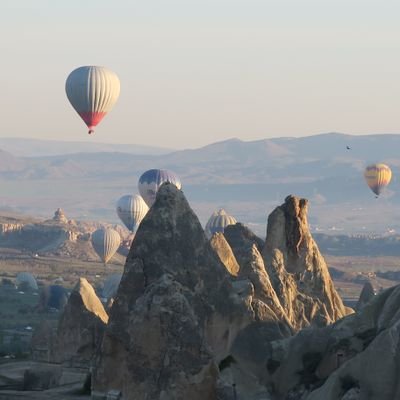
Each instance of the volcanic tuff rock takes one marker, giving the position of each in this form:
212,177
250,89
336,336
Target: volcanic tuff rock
9,227
367,293
81,326
297,270
246,248
356,358
225,254
374,369
56,236
42,378
175,315
292,284
189,321
60,217
293,270
241,238
43,341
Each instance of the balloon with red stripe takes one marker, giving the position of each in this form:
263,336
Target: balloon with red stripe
92,92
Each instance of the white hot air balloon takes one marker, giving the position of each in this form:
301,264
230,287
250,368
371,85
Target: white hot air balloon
92,91
218,221
110,286
26,278
131,210
106,242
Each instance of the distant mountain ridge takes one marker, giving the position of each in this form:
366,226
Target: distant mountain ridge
245,176
268,161
25,147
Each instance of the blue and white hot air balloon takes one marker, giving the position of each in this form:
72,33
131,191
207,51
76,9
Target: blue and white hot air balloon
151,180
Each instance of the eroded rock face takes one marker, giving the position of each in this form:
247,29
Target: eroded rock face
367,293
297,270
270,321
42,378
225,253
176,314
81,326
60,217
10,227
356,358
43,341
372,368
241,238
253,269
246,248
194,319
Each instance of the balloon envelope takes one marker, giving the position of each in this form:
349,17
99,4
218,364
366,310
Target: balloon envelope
218,221
54,296
151,180
28,279
378,176
131,210
92,92
106,242
111,284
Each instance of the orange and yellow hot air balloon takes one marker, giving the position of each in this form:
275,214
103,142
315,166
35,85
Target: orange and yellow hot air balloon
378,176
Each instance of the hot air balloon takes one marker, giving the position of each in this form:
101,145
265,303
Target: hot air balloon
92,91
218,221
131,210
110,286
26,279
378,176
106,242
151,180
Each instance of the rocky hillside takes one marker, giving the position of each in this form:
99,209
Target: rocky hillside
357,358
58,236
81,326
194,319
233,318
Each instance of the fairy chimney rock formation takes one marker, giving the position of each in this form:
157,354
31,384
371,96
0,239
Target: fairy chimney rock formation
175,314
60,217
367,293
178,313
194,319
81,326
356,358
225,254
297,270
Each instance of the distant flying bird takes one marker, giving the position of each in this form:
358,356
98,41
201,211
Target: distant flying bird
92,92
348,147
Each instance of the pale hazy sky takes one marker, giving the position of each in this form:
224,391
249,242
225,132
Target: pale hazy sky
197,71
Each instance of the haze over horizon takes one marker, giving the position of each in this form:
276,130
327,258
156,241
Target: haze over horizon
198,72
31,146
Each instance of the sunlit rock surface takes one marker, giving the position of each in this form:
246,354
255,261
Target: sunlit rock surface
194,319
81,326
